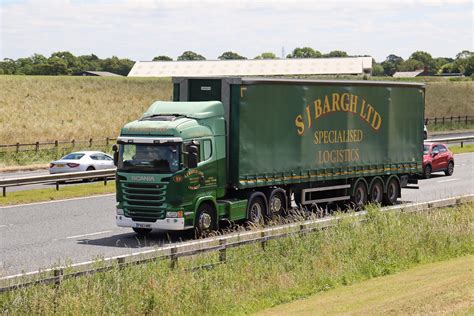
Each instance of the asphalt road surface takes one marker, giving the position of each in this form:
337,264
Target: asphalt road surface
54,233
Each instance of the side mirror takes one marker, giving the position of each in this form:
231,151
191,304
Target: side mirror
192,156
115,150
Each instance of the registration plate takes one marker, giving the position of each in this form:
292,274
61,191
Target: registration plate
138,225
60,165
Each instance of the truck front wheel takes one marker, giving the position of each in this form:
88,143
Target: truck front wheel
205,220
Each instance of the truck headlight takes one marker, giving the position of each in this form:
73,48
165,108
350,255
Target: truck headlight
119,211
177,214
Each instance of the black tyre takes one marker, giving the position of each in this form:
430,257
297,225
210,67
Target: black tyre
392,194
450,170
90,168
427,172
142,231
376,192
206,221
277,203
359,197
256,210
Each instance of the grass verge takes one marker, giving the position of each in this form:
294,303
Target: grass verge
65,192
438,288
468,148
254,279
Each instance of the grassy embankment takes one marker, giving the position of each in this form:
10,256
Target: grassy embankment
36,108
461,150
443,288
254,279
50,194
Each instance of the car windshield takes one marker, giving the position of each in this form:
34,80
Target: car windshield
149,158
426,149
73,156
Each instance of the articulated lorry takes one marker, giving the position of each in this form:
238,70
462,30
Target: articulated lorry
245,149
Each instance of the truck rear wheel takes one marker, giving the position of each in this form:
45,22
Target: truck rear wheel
359,197
376,192
256,209
391,196
277,203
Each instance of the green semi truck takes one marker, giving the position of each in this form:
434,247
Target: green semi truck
246,149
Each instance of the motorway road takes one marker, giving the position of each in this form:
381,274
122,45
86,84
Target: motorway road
44,234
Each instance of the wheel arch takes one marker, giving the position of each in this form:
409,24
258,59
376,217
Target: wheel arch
205,200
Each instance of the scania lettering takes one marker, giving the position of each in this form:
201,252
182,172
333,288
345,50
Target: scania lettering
231,149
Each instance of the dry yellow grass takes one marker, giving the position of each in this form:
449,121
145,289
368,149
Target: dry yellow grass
65,108
442,288
37,108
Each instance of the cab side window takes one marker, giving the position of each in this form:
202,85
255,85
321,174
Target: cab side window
207,149
442,149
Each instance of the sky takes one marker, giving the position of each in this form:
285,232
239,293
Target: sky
143,29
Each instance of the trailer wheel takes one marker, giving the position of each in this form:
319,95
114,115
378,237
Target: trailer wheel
205,220
376,192
142,231
391,196
359,198
277,203
256,210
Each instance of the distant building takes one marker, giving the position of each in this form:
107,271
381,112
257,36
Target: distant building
100,74
410,74
253,67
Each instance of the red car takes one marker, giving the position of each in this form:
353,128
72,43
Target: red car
437,157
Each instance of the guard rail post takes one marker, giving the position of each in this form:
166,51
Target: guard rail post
222,251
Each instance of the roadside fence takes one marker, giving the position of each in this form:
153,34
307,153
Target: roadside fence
55,145
450,119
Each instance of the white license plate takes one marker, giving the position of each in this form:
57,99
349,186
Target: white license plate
138,225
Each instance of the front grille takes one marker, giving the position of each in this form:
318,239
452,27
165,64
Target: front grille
144,202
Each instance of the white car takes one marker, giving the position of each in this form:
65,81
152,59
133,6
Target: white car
425,132
82,161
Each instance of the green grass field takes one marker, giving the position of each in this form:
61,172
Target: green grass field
41,108
254,279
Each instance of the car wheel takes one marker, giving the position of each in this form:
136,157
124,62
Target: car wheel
427,172
142,231
450,170
90,168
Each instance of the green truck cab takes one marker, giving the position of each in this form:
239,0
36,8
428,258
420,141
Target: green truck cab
245,149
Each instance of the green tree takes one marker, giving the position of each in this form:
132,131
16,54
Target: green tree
440,62
304,52
117,66
72,63
425,58
464,63
391,63
189,55
336,53
266,55
230,55
8,66
162,58
55,66
410,65
88,63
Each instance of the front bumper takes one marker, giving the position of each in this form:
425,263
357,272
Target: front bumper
163,224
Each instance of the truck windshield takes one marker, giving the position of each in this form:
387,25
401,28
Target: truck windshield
149,158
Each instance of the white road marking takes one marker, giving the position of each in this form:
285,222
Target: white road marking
449,180
91,234
9,225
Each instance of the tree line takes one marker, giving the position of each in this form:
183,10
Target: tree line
65,63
